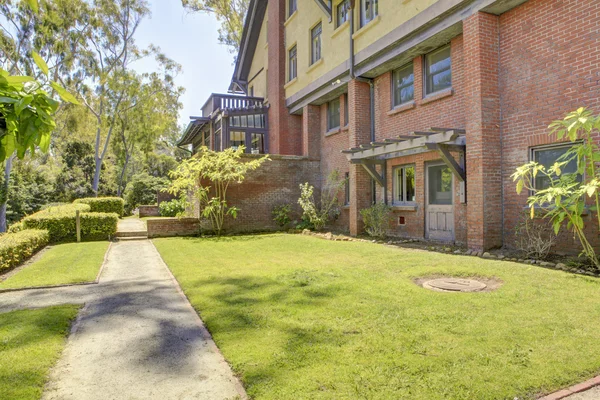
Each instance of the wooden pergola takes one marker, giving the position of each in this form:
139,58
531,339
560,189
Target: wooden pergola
443,140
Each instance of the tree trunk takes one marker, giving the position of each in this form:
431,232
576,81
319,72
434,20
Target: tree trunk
120,187
96,181
4,197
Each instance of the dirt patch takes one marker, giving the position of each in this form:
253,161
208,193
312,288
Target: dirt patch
491,284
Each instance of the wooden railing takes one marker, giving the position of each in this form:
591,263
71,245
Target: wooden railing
227,101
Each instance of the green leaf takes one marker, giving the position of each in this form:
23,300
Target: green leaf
519,186
33,4
64,93
8,100
39,61
18,79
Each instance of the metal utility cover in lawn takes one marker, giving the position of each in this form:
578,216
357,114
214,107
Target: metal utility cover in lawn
454,285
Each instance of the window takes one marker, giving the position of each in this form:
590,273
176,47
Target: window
346,116
251,91
237,139
247,121
315,46
342,12
440,185
292,7
403,85
547,157
438,70
292,64
347,189
369,9
333,114
404,184
258,143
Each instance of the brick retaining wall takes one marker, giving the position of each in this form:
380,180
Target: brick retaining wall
148,211
165,227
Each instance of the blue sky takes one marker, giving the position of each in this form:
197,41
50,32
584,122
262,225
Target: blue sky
191,40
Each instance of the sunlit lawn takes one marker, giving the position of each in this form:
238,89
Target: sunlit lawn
305,318
59,265
30,343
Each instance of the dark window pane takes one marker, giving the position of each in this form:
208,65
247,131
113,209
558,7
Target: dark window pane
547,158
292,7
333,114
403,82
346,115
237,139
438,70
258,146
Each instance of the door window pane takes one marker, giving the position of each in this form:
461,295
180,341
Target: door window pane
438,72
440,185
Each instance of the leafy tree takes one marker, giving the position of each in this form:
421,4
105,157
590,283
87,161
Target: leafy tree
207,177
143,190
30,189
229,13
568,194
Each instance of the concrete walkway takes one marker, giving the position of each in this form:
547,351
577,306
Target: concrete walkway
137,336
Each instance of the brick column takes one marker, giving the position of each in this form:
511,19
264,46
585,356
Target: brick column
285,130
359,132
482,114
311,127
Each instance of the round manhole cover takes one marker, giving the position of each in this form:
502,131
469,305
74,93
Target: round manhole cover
455,285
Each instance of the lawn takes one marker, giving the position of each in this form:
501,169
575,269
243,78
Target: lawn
30,343
304,318
59,265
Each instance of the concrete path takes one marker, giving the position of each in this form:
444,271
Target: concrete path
137,336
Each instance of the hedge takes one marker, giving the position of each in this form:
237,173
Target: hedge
19,246
60,223
104,204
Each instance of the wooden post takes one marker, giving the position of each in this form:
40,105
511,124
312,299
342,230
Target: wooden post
78,226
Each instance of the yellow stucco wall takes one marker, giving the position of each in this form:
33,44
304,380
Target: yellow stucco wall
259,62
335,43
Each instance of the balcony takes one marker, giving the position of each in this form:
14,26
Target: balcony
225,102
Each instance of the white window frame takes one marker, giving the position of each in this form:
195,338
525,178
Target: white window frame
402,200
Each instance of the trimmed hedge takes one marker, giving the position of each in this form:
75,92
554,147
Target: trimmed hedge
104,204
60,223
19,246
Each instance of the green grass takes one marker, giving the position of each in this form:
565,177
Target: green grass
60,265
30,343
304,318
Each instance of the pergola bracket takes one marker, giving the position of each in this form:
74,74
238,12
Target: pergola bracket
370,168
444,151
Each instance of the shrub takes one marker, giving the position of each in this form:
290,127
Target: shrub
60,223
281,214
104,204
171,208
16,227
319,214
534,238
376,219
19,246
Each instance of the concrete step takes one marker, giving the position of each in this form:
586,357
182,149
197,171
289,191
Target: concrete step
131,238
131,233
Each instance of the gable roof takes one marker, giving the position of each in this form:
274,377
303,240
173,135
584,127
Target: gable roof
252,25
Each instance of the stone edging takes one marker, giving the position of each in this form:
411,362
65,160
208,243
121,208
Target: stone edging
580,387
448,250
94,282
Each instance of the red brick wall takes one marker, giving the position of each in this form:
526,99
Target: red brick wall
285,129
549,65
165,227
275,183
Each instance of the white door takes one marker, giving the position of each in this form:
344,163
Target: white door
439,213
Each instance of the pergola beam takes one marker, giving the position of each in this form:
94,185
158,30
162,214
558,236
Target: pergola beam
444,151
